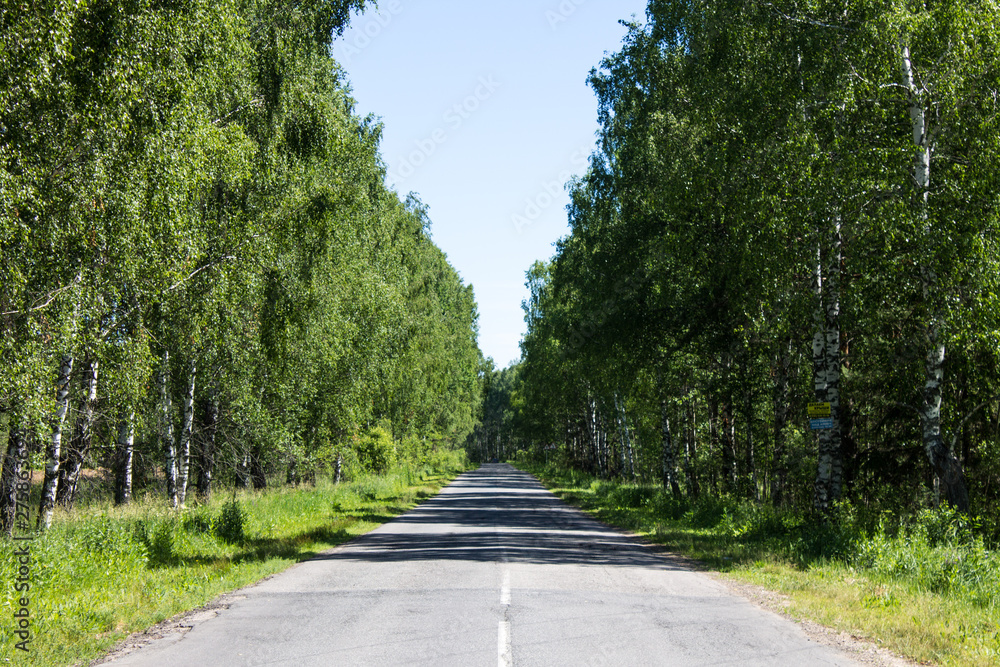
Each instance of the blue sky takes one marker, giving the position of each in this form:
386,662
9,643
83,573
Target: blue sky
487,114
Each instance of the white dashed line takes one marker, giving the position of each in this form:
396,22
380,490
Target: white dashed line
504,657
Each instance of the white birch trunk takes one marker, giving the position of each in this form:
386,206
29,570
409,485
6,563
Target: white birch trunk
69,476
826,369
946,466
690,448
126,448
50,483
185,442
628,453
780,421
729,446
167,430
13,460
669,464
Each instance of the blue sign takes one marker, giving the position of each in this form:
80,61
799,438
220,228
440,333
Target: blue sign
820,424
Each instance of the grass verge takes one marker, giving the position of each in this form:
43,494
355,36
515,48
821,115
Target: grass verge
101,573
925,587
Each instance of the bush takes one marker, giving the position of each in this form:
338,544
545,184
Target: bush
230,525
156,537
376,450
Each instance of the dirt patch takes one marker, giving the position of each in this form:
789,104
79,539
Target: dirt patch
170,630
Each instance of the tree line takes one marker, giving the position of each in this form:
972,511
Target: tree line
202,271
793,206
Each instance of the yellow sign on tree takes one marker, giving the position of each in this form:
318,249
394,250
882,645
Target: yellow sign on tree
819,411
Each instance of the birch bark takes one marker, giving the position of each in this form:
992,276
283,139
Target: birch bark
167,430
946,466
126,449
780,422
669,464
83,436
51,480
826,368
15,455
690,448
184,449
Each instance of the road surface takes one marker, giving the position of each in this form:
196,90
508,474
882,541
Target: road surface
495,570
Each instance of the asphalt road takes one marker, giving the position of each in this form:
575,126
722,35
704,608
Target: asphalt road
495,570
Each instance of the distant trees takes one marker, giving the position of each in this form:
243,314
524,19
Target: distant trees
201,263
791,203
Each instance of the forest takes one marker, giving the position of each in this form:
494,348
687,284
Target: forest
204,278
781,280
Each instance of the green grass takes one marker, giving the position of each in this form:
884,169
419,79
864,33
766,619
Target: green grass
926,587
101,572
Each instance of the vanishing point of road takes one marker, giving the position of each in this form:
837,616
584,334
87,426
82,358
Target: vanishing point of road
494,570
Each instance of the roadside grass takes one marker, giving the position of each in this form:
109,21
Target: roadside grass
101,572
926,587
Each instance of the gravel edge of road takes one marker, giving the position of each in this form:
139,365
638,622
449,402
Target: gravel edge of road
862,649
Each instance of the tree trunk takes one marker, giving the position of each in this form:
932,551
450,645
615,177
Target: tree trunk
167,430
780,477
690,449
125,455
628,453
826,370
184,449
714,441
13,464
207,467
728,442
51,481
83,437
669,464
946,466
243,471
257,474
751,460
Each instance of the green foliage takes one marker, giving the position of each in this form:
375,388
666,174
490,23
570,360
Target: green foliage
752,195
115,541
376,450
160,537
230,525
192,184
935,551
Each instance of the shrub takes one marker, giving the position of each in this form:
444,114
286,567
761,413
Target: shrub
156,537
376,450
230,525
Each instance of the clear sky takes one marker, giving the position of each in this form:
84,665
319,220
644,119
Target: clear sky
487,114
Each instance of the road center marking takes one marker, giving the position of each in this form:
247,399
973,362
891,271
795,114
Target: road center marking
505,588
504,657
